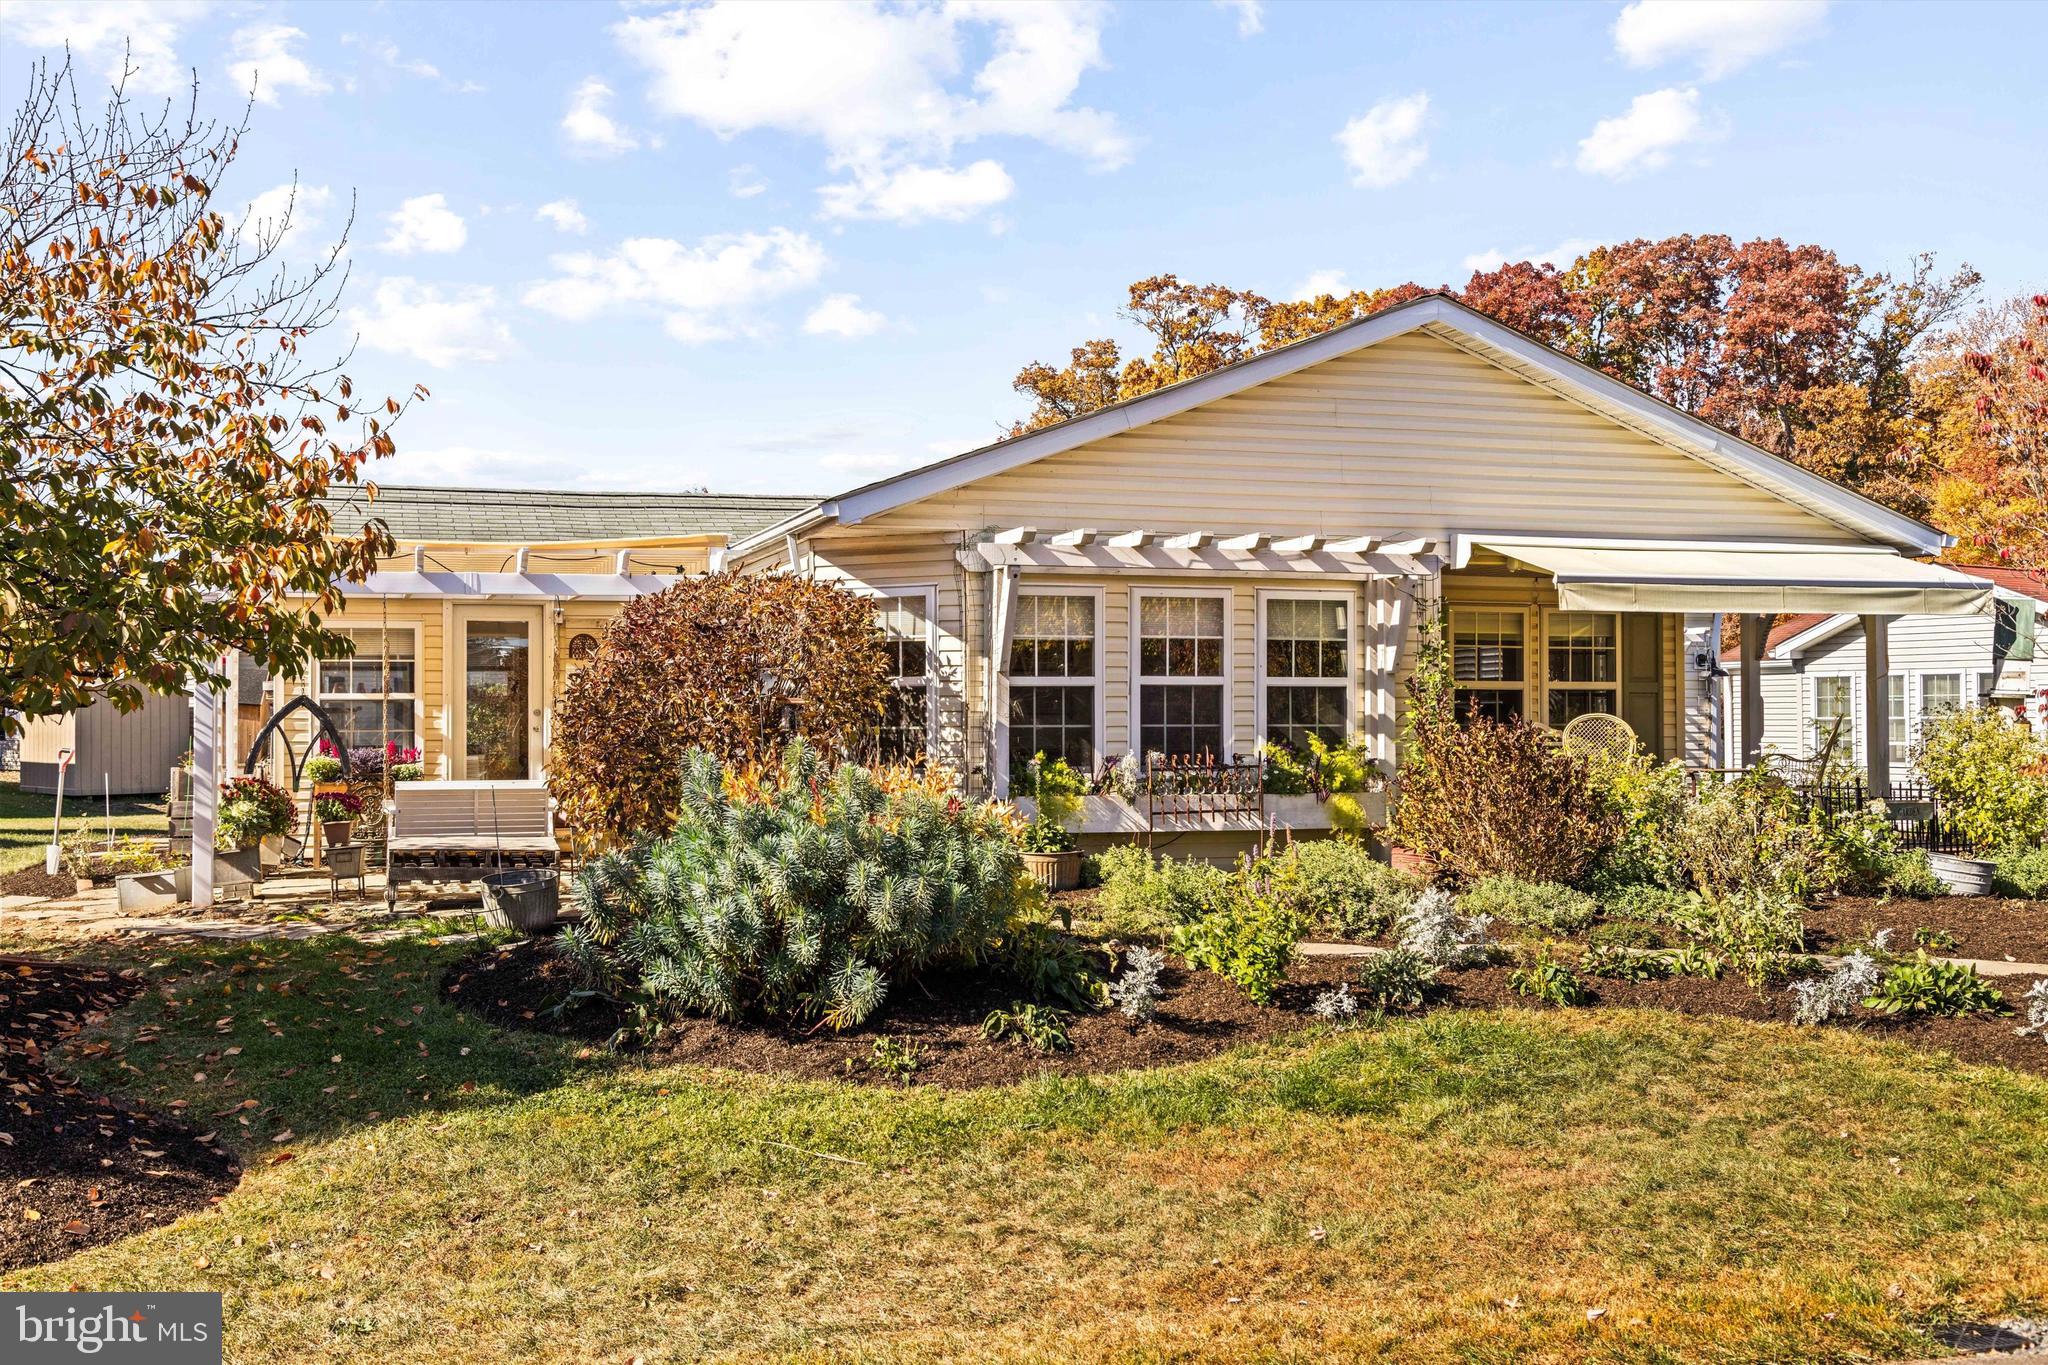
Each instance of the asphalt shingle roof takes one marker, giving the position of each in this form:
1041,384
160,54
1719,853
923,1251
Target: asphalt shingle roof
533,515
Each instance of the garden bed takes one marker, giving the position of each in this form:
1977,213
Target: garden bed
33,881
77,1169
1201,1015
1984,926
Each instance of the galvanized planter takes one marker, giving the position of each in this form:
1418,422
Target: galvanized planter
1962,876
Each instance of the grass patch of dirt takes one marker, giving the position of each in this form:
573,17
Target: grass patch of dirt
1984,926
79,1169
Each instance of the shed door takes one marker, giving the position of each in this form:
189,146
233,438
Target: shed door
1642,692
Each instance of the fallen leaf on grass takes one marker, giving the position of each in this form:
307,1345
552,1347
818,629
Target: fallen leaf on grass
285,1136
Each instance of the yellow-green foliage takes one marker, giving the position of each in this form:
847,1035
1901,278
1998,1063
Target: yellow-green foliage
1991,772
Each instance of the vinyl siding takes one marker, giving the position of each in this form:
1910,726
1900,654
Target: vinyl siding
1413,434
113,753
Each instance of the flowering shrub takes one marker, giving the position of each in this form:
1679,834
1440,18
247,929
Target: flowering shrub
252,809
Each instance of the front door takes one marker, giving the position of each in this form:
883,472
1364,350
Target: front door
497,702
1642,677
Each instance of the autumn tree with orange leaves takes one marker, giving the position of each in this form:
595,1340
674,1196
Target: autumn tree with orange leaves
166,435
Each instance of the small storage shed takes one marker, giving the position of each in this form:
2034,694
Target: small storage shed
126,755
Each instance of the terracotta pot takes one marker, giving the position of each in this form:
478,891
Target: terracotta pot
1055,871
333,832
1414,864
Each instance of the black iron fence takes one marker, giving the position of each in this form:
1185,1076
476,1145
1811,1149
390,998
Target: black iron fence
1916,813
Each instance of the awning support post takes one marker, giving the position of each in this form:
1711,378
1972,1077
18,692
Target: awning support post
1877,694
1753,628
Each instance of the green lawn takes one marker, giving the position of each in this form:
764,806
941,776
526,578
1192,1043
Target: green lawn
25,820
1464,1187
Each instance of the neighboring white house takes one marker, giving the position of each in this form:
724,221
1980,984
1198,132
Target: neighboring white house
1814,672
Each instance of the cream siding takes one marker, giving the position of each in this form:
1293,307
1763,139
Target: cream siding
1411,434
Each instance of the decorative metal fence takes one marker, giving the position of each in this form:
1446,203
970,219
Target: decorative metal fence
1204,791
1916,813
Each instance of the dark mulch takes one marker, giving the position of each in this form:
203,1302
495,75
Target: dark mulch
1201,1016
1987,1039
33,881
76,1169
941,1016
1984,926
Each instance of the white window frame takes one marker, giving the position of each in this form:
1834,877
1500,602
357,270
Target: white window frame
1139,680
1905,719
1549,685
927,593
1260,679
1810,721
1094,680
322,695
1531,643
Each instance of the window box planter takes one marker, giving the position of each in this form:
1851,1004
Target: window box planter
1113,815
136,891
1962,876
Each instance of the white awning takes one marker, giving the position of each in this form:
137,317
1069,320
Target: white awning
533,587
1733,577
1193,553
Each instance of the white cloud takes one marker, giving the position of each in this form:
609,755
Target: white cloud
565,215
1561,255
306,205
1251,16
911,194
425,223
703,292
108,34
841,315
1384,145
887,91
1319,282
1722,35
266,63
589,127
745,182
441,327
1644,138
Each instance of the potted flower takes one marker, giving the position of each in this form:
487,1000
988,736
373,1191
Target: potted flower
337,813
1055,791
256,813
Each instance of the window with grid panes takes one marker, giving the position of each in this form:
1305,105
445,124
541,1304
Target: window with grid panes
1489,662
1308,683
1052,673
904,733
1180,675
1834,714
372,695
1582,673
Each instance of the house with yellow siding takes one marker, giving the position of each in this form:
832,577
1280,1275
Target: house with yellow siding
1247,556
464,637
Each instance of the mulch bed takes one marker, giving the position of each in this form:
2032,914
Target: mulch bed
33,881
1201,1016
1985,926
78,1170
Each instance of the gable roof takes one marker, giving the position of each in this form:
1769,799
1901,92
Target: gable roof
1443,318
1788,628
2025,582
542,515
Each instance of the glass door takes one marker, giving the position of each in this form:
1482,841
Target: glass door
498,706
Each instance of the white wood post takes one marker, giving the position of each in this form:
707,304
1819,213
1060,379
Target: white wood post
1753,630
1002,628
1877,730
206,747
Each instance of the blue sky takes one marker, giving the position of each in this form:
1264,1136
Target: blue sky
785,248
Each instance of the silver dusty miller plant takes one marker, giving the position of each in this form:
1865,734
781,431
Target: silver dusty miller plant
1336,1007
1819,999
1136,990
1434,931
2035,1003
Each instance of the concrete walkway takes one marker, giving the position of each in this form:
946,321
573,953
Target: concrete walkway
286,907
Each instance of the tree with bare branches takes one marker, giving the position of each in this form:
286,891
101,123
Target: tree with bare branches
167,431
